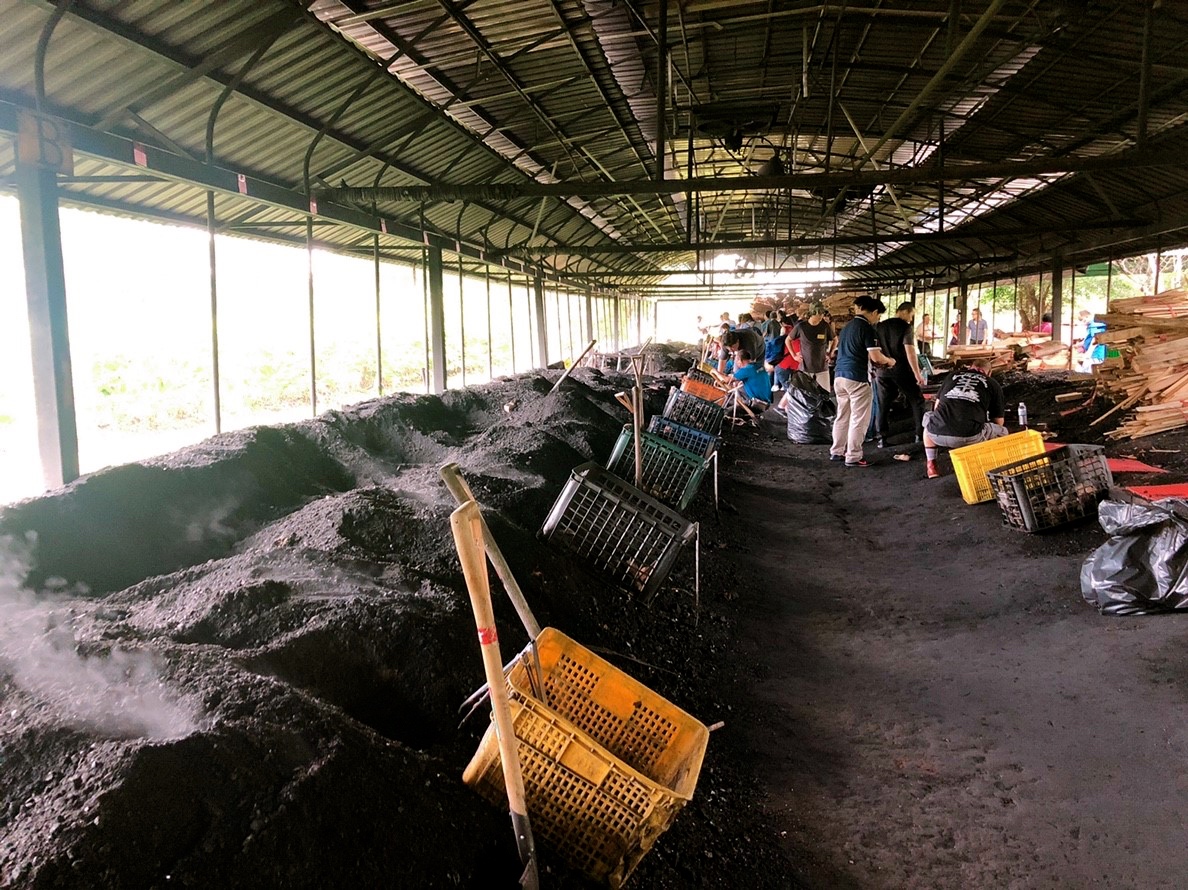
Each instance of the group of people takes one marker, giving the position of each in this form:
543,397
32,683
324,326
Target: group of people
873,361
967,409
757,359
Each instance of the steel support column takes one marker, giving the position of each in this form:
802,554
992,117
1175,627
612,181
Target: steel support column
618,321
591,331
962,310
1057,295
212,260
542,333
379,329
437,341
45,287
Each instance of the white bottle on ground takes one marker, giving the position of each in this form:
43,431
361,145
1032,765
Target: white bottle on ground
1022,416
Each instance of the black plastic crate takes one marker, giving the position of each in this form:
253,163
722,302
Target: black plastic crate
683,436
616,529
700,376
689,410
1052,489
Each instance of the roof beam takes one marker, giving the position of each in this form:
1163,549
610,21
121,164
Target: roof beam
958,234
892,176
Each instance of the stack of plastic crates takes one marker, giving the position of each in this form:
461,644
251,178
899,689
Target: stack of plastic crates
670,473
607,762
686,437
700,376
616,529
1063,485
689,410
972,462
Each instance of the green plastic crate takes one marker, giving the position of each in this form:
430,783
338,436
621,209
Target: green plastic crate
670,473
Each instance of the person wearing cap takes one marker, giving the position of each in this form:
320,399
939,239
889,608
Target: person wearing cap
814,335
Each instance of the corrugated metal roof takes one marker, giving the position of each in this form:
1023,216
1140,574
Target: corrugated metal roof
513,91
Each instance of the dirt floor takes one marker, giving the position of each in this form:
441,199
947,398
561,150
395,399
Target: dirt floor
240,664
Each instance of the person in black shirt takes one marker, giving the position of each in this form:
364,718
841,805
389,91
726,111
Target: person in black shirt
968,410
897,339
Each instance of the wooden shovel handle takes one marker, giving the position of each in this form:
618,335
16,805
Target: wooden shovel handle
468,538
452,477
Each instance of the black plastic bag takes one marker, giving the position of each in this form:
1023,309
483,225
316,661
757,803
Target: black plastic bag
811,410
1143,568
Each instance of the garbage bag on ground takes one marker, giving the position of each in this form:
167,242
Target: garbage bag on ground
1143,568
811,410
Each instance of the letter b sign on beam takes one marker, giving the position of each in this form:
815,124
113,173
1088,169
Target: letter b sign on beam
44,141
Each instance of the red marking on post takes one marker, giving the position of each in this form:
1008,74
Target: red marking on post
488,635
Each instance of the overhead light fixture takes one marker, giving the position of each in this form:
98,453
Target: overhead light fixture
773,166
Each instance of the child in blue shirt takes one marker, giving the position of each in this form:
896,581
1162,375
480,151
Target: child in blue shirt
756,384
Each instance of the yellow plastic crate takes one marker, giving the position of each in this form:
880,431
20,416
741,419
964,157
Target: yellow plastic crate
607,762
972,462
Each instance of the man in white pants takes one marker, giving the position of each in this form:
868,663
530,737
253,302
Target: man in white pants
857,347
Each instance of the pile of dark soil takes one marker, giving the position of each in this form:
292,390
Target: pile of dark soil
240,664
282,618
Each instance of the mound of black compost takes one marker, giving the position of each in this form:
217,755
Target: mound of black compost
240,664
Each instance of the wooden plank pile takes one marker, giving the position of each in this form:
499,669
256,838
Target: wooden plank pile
1150,377
1001,358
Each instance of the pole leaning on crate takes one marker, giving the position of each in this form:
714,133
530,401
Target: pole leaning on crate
577,361
452,477
637,415
460,489
466,523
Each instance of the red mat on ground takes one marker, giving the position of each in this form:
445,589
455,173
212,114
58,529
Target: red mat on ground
1155,492
1118,464
1130,465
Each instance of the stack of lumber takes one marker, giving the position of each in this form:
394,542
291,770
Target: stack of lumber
1001,358
841,304
1150,379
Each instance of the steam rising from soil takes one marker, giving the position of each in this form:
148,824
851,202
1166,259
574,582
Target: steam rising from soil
112,691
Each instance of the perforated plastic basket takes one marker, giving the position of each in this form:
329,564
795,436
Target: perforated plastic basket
685,437
1063,485
621,532
670,473
688,410
972,462
703,391
695,373
607,762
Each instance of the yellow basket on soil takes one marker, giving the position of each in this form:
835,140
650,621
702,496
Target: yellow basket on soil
972,462
607,762
703,391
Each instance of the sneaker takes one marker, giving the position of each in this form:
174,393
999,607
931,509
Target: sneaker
837,457
858,463
880,442
932,470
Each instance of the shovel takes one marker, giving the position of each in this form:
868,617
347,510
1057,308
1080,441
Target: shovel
466,523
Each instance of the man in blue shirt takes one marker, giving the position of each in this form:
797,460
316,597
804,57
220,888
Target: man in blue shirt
857,347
